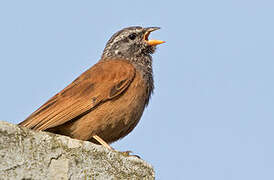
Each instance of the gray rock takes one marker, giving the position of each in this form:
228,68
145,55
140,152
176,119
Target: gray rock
30,155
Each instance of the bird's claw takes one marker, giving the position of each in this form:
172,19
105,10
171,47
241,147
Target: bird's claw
128,154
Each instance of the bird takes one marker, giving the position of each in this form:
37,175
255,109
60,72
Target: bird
105,103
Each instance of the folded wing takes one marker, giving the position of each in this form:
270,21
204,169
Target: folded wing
102,82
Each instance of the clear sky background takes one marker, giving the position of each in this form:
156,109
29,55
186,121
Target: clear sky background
211,116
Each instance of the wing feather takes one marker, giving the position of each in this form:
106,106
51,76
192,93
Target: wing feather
102,82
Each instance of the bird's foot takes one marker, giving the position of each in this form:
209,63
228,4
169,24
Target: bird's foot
128,154
105,144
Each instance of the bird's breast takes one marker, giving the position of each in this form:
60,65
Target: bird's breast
123,113
115,118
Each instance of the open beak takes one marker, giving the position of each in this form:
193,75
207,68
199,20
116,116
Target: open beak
151,42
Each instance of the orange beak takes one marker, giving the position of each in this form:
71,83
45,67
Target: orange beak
152,42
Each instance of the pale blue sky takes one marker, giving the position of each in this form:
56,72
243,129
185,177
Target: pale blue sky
211,116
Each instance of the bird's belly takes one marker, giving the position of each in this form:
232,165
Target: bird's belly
118,123
113,119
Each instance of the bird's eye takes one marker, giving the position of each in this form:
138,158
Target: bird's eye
132,36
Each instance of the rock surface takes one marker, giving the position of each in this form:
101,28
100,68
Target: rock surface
30,155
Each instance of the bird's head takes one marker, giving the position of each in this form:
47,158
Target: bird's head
131,43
